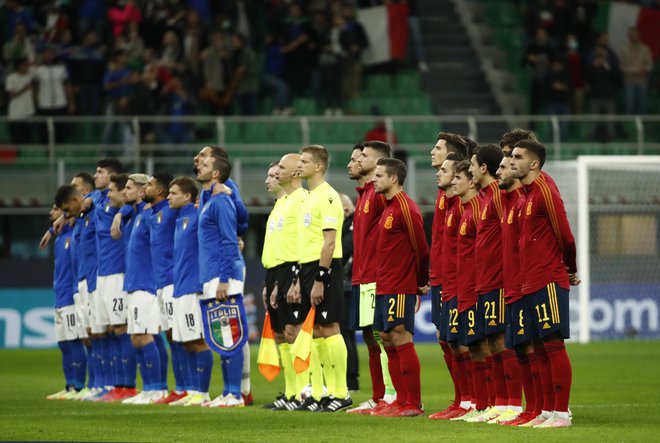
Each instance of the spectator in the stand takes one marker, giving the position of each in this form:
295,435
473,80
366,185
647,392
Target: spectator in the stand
318,32
91,16
117,86
215,73
144,99
54,93
603,83
163,73
194,39
397,13
202,8
416,36
56,23
120,16
603,41
171,55
87,69
21,103
296,66
156,21
244,84
379,132
557,93
330,63
537,58
19,47
16,13
562,20
354,41
177,104
239,13
271,77
574,62
131,43
636,64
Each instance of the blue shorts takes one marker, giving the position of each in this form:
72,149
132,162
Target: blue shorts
519,327
436,306
354,308
549,311
444,313
491,309
470,328
393,310
450,321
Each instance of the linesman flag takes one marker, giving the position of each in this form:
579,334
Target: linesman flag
302,347
268,359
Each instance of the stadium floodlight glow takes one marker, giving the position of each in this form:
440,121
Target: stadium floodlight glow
637,165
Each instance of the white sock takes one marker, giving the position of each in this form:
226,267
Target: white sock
465,404
245,379
562,415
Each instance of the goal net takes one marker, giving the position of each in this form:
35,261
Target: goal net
618,244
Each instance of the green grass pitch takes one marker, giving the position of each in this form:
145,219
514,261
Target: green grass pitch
615,397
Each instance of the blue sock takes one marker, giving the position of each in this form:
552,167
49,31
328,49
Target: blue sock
115,360
90,366
127,360
177,367
152,364
162,350
79,363
107,362
67,360
204,367
193,378
96,361
146,383
235,374
102,356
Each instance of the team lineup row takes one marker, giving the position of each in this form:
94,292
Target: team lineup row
501,260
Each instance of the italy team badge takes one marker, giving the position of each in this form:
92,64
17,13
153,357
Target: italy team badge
225,325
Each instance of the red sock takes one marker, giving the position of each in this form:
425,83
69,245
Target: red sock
376,370
410,372
499,380
449,361
460,373
490,384
394,365
512,377
546,379
527,382
479,385
562,374
467,364
535,365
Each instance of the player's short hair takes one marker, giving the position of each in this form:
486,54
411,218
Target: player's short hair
463,167
319,154
187,186
358,145
139,179
516,135
536,148
64,194
113,165
454,142
384,149
455,156
86,178
471,146
221,164
119,180
491,156
394,166
163,180
218,151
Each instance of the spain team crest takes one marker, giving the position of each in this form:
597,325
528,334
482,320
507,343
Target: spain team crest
225,325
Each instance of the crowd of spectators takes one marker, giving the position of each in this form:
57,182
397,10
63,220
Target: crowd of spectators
575,70
175,58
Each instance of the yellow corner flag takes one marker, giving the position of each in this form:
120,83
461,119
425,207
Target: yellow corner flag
268,359
302,347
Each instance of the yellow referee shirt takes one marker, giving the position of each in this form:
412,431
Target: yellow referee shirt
322,210
287,226
272,237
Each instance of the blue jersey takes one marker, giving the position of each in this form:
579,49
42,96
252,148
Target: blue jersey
186,253
241,210
219,255
63,279
127,221
139,274
87,259
75,252
162,242
110,251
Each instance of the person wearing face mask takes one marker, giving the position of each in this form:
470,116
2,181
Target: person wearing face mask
574,66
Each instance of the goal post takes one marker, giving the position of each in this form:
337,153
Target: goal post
618,211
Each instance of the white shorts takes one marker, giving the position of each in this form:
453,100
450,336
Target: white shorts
187,324
82,303
80,312
112,310
67,326
94,306
166,302
144,315
210,287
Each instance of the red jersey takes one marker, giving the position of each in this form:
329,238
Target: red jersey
467,239
357,240
514,201
367,214
489,240
437,230
547,245
449,251
403,254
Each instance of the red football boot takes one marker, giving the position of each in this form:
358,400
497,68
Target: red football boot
111,396
383,408
407,411
441,414
171,398
247,399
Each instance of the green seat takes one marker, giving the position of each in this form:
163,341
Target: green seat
378,85
305,106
